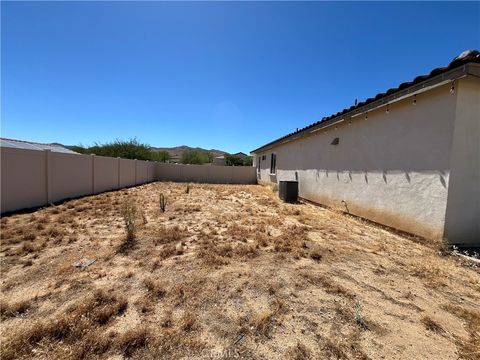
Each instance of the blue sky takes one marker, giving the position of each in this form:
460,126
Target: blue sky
223,75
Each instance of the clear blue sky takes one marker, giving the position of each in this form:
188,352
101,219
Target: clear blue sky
230,76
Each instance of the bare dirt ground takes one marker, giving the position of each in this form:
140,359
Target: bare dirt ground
227,272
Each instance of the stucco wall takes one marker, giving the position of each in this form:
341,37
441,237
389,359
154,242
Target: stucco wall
392,168
462,223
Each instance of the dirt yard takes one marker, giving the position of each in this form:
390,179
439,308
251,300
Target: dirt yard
227,272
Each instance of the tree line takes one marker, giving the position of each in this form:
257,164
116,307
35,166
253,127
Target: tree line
134,149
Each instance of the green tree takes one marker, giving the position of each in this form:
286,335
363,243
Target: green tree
233,160
248,161
127,149
161,156
195,157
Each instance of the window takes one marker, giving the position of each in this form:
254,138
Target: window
264,157
273,163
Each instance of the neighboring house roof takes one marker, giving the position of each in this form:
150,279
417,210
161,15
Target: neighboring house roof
458,67
28,145
241,154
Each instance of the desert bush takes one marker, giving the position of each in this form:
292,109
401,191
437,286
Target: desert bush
129,214
132,340
166,235
155,288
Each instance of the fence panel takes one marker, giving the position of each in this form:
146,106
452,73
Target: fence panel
31,178
23,179
142,172
70,175
127,173
105,174
206,174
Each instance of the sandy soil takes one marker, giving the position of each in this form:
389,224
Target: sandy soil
227,272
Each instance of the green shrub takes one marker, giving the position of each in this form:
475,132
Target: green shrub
196,157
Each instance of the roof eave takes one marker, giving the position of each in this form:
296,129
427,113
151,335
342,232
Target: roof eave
434,81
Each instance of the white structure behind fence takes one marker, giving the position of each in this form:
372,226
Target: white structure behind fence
31,178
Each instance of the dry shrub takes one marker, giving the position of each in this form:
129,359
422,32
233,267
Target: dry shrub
246,251
212,256
65,217
29,235
129,215
166,235
189,322
190,291
94,344
431,273
294,239
431,325
167,321
132,340
238,232
330,286
334,349
169,250
343,346
262,322
299,352
155,288
265,321
53,232
54,210
43,219
9,309
27,248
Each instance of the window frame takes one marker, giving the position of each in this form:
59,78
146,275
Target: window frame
273,163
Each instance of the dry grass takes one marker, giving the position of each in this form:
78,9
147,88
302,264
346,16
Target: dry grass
14,309
226,271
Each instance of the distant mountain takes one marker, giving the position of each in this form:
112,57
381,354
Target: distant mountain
176,152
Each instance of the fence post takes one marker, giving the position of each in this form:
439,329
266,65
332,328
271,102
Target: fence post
135,172
93,173
118,162
48,185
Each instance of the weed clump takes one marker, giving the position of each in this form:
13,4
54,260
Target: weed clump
13,309
129,214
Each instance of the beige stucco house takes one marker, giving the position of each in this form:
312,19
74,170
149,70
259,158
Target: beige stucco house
408,158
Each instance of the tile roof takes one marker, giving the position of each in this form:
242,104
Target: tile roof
468,56
28,145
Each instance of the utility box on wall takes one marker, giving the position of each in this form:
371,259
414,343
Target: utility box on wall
288,191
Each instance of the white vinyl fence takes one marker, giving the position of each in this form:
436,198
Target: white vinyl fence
31,178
